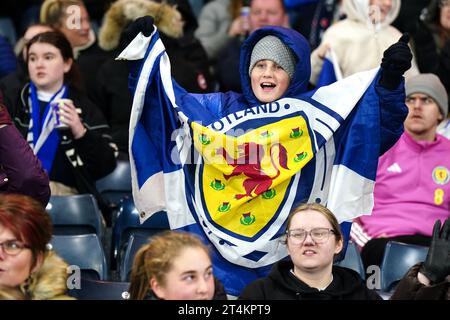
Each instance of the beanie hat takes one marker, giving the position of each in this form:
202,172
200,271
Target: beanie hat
272,48
429,84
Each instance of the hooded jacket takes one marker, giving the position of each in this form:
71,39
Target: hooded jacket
358,44
298,45
218,108
50,281
282,284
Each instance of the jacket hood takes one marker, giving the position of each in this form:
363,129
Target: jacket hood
122,12
50,281
299,46
359,10
345,282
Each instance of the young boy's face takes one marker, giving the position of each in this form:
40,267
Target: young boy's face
269,81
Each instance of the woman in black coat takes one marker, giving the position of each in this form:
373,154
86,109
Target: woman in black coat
313,238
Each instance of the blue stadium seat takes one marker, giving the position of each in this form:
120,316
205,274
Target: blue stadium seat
116,185
352,260
127,223
77,214
345,229
136,241
398,258
8,30
84,251
101,290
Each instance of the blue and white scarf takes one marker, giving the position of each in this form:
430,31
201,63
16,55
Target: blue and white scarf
42,136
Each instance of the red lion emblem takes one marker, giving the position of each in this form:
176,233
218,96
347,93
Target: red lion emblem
249,164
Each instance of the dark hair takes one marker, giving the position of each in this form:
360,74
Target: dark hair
432,14
322,210
58,40
27,219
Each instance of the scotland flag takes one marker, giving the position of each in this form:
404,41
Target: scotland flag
331,72
231,171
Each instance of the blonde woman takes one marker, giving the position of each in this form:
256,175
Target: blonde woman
174,266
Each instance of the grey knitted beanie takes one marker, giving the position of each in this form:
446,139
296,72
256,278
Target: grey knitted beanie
429,84
272,48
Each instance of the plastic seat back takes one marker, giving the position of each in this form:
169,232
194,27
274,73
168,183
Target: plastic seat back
352,260
76,214
128,222
116,185
84,251
398,258
136,241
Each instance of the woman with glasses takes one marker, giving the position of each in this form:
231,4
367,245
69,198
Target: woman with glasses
313,239
25,261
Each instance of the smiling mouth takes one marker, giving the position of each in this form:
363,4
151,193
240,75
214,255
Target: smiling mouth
267,86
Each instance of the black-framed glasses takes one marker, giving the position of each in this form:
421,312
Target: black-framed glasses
13,247
318,235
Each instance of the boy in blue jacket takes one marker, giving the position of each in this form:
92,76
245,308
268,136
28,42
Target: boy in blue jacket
287,145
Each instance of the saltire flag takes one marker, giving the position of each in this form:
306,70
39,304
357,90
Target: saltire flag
233,177
444,128
331,72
